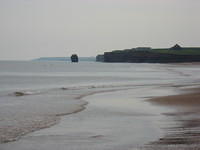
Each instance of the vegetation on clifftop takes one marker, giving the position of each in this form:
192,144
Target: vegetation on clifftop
183,51
149,55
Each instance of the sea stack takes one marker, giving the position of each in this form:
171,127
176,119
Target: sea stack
74,58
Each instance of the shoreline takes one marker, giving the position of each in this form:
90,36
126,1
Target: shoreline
46,122
112,120
15,134
177,135
100,121
184,132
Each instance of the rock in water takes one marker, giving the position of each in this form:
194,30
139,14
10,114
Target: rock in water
74,58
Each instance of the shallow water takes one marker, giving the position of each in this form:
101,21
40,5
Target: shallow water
109,122
53,89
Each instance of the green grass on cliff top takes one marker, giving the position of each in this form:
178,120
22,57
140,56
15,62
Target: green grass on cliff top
183,51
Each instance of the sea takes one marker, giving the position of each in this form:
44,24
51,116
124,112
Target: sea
36,94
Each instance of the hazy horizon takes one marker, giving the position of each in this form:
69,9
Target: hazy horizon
57,28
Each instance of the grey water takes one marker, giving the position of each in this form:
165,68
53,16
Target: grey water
52,89
21,75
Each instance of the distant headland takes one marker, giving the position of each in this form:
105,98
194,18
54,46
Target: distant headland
149,55
63,59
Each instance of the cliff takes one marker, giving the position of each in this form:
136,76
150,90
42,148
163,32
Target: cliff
148,55
100,58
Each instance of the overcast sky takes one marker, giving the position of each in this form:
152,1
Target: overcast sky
38,28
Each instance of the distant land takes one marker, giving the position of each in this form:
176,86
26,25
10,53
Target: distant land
149,55
63,59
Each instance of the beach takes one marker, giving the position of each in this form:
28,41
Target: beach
143,107
184,133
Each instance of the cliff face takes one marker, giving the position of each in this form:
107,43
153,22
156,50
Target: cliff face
100,58
148,57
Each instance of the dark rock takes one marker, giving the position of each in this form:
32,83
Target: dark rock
74,58
19,93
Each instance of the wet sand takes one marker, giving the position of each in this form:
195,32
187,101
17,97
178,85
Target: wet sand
184,131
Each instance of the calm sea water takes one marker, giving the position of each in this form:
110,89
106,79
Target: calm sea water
50,88
31,75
